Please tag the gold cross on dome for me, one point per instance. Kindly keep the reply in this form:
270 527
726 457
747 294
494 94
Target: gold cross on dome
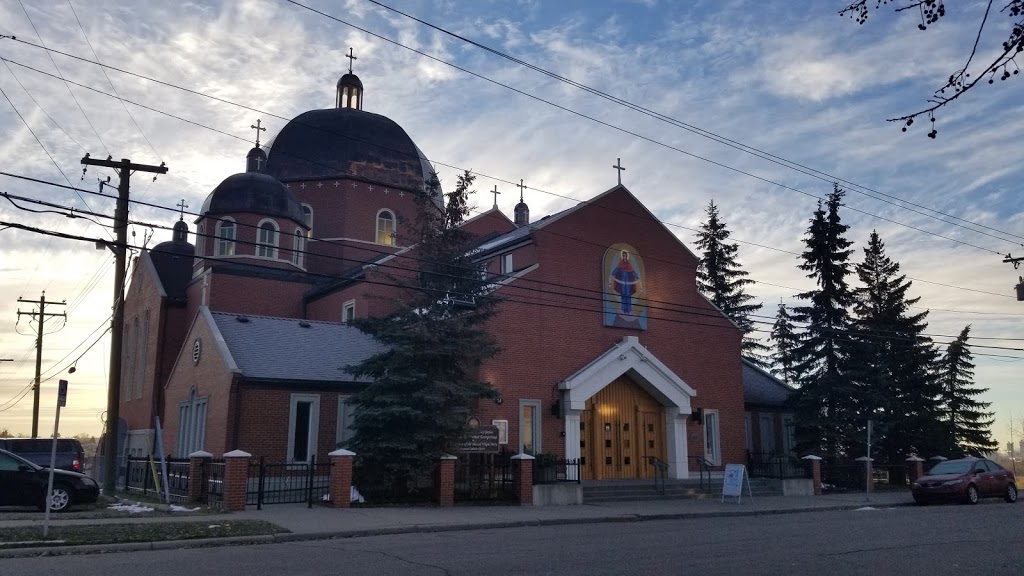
351 58
521 187
495 192
182 205
258 129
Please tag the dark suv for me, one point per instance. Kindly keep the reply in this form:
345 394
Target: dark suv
70 455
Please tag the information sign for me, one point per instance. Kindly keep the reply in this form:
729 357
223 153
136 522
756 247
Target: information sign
732 483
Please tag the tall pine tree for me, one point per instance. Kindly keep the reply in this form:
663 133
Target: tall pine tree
893 359
823 403
967 423
721 280
786 341
423 386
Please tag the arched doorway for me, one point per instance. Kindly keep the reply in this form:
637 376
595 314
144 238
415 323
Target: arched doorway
621 425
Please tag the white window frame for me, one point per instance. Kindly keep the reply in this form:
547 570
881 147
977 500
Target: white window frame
314 425
226 245
200 239
298 248
506 264
389 240
536 428
192 424
143 357
346 417
307 219
712 437
267 248
345 308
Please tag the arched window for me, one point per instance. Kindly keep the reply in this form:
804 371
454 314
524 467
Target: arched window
267 244
298 246
307 218
200 240
386 227
226 237
127 358
143 352
191 423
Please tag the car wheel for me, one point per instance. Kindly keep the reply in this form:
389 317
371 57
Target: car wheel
60 499
1011 493
971 496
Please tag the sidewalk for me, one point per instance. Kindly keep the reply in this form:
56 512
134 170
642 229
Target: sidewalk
322 522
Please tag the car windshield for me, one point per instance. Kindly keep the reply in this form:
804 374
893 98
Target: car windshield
952 467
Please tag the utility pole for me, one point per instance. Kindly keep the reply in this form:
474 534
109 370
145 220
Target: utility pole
1016 264
124 169
43 315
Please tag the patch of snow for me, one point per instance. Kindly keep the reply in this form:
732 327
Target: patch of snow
865 508
136 508
176 508
214 526
23 542
356 496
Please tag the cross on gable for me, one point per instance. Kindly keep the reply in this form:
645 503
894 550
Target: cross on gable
495 192
182 205
619 168
258 129
521 187
319 184
351 58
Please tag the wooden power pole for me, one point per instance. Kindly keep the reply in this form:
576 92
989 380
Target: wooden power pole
43 315
124 169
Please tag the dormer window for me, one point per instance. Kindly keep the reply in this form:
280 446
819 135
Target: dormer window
386 228
226 237
266 246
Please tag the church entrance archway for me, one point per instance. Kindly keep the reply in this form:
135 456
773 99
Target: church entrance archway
621 426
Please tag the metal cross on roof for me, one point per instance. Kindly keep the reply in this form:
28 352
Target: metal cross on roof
258 129
182 205
351 58
521 187
495 192
619 168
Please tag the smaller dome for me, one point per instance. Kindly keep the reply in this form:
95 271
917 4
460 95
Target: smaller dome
180 231
255 193
255 160
521 214
350 79
350 92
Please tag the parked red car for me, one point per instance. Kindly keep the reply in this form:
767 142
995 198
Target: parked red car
967 480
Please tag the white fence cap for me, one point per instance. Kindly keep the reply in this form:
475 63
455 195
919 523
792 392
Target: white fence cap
341 452
200 454
237 454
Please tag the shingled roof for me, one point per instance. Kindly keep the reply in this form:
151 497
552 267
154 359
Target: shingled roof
762 389
288 349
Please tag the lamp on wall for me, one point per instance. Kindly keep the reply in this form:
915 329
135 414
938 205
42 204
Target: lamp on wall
697 415
556 408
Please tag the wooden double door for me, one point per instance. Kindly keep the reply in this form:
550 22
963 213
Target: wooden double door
620 427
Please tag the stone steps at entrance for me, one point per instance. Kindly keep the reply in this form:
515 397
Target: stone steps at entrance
637 490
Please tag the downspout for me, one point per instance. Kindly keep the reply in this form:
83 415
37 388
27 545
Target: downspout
237 420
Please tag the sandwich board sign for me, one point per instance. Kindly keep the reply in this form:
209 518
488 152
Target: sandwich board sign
732 483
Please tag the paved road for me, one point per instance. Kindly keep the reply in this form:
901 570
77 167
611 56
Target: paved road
983 539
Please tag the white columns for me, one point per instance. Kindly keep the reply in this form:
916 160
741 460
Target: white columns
572 434
675 435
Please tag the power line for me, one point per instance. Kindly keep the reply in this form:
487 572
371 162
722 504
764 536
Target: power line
623 130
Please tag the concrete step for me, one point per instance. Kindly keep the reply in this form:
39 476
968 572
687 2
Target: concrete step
634 490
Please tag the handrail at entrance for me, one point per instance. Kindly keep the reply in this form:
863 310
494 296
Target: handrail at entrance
660 472
704 466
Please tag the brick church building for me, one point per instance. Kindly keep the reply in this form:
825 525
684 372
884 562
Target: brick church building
608 351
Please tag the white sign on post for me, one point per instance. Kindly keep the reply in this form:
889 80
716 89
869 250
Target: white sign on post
732 483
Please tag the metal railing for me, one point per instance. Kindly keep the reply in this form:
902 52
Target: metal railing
781 466
484 477
287 483
556 471
704 466
660 472
213 478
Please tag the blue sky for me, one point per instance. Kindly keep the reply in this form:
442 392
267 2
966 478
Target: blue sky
801 83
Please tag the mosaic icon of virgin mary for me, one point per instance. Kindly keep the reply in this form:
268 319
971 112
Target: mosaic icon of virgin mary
625 304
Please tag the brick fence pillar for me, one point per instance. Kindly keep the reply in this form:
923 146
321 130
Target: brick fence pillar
444 489
341 478
196 479
524 479
915 466
866 476
236 480
813 464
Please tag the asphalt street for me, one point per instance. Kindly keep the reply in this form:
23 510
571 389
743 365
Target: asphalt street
934 540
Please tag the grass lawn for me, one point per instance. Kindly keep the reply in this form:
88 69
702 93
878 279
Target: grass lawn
26 537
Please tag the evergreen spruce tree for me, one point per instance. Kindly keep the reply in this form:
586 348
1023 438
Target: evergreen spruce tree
823 403
423 384
893 360
721 280
786 341
967 423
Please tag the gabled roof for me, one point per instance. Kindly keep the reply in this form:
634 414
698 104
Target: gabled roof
288 349
763 389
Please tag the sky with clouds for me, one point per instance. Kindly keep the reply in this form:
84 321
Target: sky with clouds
802 84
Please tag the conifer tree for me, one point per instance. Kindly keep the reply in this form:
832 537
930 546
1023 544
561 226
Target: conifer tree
423 385
823 403
721 280
786 341
967 421
893 360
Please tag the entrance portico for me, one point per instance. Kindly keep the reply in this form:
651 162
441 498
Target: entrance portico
631 361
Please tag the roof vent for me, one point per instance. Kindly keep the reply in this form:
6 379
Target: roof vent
304 324
242 319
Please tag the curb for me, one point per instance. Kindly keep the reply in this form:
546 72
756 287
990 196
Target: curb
411 529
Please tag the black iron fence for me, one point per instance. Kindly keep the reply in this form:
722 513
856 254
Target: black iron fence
213 479
555 471
287 482
481 477
781 466
178 471
144 477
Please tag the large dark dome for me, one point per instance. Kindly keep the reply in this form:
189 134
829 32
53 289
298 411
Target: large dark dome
255 193
345 142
